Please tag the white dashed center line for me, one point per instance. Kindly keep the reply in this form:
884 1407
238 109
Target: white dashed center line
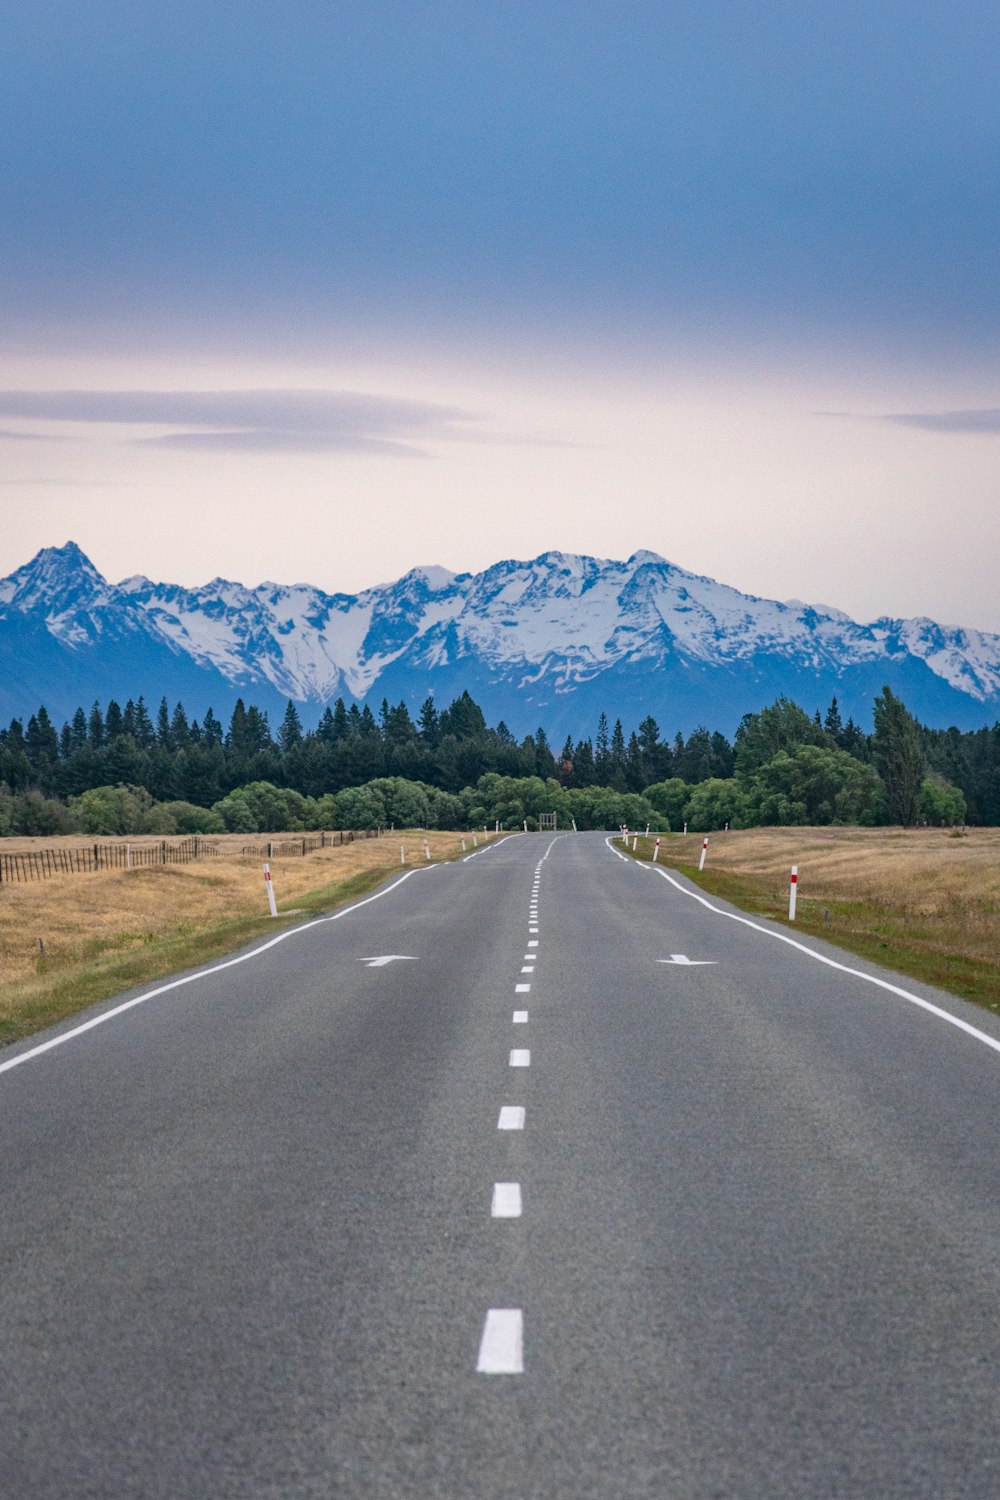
528 969
520 1018
511 1117
520 1057
533 943
506 1200
501 1348
522 989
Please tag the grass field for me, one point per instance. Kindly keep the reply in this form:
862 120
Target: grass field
71 940
925 902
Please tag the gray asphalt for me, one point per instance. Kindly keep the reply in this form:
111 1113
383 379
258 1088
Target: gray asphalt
247 1249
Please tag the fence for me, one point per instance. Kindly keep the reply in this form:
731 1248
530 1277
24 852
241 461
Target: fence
39 864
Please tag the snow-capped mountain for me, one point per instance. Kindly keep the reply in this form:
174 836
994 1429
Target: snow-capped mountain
554 640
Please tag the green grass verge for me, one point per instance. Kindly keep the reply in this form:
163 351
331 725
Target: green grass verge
879 933
53 995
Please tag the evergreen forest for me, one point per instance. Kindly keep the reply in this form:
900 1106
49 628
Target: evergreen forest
119 770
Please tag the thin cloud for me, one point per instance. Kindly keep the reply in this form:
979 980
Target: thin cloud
257 421
267 440
986 420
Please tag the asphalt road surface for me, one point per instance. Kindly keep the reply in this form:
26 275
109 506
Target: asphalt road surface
533 1208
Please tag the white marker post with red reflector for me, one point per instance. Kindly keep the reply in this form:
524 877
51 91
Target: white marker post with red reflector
704 851
656 851
270 890
793 892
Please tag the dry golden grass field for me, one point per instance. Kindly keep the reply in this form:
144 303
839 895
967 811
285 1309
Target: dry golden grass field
923 901
106 931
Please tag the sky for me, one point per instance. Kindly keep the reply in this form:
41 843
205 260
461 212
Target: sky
317 292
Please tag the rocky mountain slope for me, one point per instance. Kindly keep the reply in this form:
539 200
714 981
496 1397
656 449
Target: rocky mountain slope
552 640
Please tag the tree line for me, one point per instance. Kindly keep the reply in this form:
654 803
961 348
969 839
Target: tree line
783 766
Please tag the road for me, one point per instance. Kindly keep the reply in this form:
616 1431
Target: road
260 1232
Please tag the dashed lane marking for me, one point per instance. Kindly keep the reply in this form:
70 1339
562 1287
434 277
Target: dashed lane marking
520 1018
511 1117
506 1200
520 1057
501 1348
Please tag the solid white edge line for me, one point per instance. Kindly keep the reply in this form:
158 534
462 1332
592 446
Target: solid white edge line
501 1348
519 834
229 963
882 984
511 1117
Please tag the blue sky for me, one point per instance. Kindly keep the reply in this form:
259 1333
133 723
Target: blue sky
325 290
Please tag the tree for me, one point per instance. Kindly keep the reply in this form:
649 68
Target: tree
95 727
815 784
290 732
899 757
163 736
428 724
714 803
940 803
670 798
602 752
180 731
781 726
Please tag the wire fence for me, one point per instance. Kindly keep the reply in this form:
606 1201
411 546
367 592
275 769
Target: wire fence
40 864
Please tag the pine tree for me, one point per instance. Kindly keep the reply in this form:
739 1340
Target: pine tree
341 723
163 725
428 724
584 772
180 734
833 724
899 756
113 725
210 727
145 734
290 732
78 729
95 727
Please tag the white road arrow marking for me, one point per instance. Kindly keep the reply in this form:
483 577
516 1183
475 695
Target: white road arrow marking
682 958
387 958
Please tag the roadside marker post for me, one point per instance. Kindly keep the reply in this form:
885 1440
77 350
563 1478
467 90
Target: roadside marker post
656 851
427 851
270 890
685 828
402 854
793 891
463 846
704 851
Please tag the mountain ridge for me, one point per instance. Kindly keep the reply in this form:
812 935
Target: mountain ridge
553 639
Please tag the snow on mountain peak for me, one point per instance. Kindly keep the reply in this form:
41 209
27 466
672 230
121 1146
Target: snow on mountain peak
548 624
